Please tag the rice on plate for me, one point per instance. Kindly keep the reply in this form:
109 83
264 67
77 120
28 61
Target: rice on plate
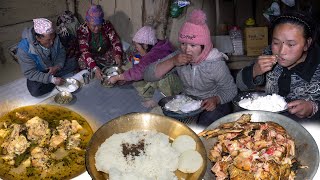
272 103
183 103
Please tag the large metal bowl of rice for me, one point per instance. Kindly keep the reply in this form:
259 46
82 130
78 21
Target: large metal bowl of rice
142 122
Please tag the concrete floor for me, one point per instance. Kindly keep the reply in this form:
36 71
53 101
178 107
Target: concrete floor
9 71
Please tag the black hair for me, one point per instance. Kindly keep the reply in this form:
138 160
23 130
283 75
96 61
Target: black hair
36 34
301 19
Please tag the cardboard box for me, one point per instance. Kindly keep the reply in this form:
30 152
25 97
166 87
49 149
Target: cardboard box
256 39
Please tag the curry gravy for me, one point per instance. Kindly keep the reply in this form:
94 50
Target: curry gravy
71 162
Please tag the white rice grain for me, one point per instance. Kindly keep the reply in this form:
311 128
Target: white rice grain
158 160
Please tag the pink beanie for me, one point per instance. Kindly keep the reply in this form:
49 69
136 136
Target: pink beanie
195 31
146 35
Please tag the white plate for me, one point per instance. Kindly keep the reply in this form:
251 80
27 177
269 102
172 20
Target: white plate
71 85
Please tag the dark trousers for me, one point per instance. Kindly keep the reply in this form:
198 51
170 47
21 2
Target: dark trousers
38 88
208 117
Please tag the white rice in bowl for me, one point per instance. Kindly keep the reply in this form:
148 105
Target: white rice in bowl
183 103
138 154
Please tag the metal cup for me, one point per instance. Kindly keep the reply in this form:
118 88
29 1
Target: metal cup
92 74
86 78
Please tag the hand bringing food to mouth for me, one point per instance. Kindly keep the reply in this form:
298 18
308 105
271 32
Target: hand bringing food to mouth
264 64
182 59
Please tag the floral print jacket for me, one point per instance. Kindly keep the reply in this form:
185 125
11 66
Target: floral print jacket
108 33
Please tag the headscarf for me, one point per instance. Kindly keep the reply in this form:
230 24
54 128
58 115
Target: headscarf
95 15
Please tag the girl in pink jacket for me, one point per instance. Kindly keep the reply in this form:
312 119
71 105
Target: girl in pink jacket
151 50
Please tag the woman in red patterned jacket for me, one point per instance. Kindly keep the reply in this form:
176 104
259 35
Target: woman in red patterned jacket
99 43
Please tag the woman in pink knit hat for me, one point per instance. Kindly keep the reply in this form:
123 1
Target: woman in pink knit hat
150 48
201 68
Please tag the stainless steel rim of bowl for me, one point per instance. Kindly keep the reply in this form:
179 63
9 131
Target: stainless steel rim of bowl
63 97
109 70
307 151
68 82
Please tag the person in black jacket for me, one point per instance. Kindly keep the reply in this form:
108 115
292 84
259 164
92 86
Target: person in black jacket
292 66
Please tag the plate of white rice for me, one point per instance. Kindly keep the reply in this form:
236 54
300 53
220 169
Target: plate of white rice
140 146
260 101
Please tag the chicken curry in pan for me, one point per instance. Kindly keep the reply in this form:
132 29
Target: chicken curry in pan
43 141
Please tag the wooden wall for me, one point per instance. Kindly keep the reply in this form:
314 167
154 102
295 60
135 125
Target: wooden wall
17 14
129 17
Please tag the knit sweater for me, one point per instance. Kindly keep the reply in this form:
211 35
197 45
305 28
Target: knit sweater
209 78
304 84
158 51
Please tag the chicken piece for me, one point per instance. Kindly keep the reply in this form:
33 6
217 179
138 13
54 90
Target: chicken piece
238 174
9 159
26 163
243 160
4 133
232 146
290 148
64 128
73 141
56 140
277 127
215 153
4 125
18 146
16 129
39 157
260 144
219 170
37 129
245 118
45 139
218 132
258 135
274 170
285 171
75 126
